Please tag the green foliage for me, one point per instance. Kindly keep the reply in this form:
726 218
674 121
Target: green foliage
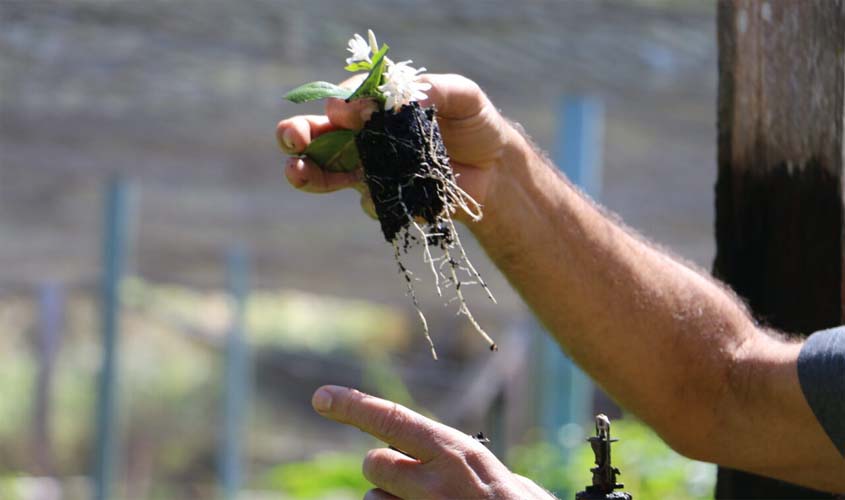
169 395
332 475
10 488
650 469
334 151
303 321
17 374
359 66
315 91
169 384
369 88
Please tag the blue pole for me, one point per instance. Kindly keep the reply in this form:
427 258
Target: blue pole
566 392
237 378
114 249
50 312
581 139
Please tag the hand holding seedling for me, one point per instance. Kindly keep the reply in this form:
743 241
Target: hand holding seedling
474 132
422 150
446 463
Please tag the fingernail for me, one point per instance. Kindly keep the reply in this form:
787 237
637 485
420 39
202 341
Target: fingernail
298 177
287 140
322 400
294 163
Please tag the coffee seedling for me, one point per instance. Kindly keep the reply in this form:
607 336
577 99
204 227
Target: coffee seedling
406 170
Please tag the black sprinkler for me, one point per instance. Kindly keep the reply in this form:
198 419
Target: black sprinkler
604 473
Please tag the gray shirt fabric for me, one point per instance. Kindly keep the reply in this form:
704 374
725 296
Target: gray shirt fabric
821 371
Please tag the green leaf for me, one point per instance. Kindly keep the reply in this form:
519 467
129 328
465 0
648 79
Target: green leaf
316 90
359 66
370 86
334 151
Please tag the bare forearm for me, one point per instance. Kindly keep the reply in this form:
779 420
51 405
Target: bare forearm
670 344
611 299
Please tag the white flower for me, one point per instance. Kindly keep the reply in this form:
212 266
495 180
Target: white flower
360 50
373 43
401 85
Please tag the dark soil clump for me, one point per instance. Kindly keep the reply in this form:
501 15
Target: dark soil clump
405 167
415 194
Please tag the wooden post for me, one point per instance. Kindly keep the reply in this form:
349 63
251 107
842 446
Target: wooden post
779 204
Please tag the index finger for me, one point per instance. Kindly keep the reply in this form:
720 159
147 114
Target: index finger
455 97
354 114
392 423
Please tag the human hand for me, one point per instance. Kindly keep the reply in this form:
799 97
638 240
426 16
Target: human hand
447 463
477 137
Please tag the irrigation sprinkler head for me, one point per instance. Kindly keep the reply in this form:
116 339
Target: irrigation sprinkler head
604 473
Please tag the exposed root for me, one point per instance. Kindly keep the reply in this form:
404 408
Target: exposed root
470 267
416 195
425 238
464 309
409 280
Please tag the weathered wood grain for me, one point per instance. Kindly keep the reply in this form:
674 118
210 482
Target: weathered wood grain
779 206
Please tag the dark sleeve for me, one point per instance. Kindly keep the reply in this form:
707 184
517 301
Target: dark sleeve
821 371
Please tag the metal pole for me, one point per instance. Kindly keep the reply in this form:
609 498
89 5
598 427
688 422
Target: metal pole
114 250
581 139
50 313
566 392
237 378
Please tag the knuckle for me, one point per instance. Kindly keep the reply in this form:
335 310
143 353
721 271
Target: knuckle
477 456
474 457
466 83
332 103
334 109
391 422
450 459
472 466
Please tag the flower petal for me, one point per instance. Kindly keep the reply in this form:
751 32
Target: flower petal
359 48
373 42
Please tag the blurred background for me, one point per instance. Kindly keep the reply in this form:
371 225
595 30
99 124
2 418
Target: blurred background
168 303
